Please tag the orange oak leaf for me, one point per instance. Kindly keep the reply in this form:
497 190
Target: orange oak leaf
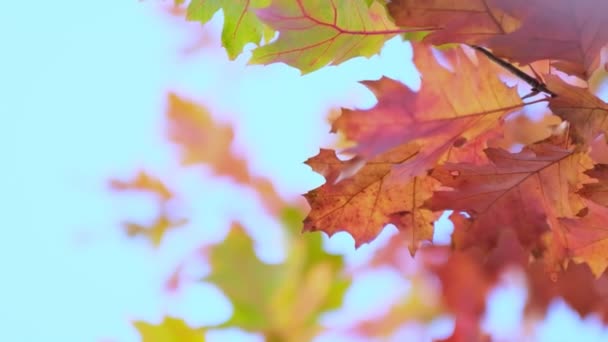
598 191
538 184
450 106
473 151
587 238
524 31
203 141
364 203
313 34
585 112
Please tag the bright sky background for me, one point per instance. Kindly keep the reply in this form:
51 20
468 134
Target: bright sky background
82 94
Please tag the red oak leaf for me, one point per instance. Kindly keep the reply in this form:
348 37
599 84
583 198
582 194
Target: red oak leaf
469 21
450 106
524 31
538 184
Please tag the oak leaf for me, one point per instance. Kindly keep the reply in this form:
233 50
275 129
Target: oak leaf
576 285
241 24
597 191
587 237
522 130
538 184
457 21
202 140
364 203
571 32
462 103
586 113
524 31
313 34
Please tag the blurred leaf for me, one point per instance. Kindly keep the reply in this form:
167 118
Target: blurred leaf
169 330
145 183
154 232
284 300
203 141
420 304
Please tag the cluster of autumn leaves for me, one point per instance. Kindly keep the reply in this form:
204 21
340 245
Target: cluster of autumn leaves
525 193
281 302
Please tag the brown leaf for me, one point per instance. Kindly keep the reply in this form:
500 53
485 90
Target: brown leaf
364 203
585 112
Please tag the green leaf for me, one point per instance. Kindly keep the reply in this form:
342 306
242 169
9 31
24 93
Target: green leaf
315 33
241 25
247 281
283 300
169 330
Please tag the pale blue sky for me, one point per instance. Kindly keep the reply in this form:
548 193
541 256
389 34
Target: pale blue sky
82 89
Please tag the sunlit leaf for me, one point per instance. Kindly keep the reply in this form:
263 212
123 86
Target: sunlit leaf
241 24
314 33
169 330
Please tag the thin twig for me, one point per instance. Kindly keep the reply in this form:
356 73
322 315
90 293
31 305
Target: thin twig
533 82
